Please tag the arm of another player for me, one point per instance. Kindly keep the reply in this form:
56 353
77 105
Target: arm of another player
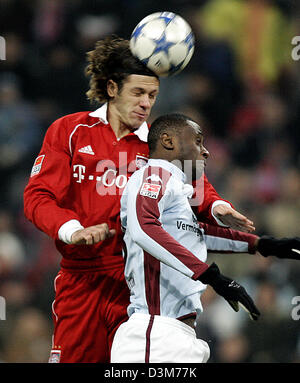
228 216
226 240
92 234
211 208
73 233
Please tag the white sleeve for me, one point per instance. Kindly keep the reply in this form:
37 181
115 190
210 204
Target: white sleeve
226 240
216 203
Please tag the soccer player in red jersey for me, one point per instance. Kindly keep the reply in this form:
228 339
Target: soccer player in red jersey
73 195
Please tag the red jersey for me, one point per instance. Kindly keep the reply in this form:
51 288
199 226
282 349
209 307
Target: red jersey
79 174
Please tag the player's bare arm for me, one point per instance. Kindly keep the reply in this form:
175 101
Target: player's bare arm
232 218
92 234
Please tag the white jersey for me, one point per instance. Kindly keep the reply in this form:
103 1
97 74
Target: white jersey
165 246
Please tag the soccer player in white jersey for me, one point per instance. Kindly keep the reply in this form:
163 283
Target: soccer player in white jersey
166 249
166 252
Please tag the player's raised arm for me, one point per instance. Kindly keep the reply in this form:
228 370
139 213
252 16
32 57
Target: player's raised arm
213 209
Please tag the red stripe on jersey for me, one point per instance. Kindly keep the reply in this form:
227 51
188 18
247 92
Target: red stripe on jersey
152 283
148 333
234 235
148 217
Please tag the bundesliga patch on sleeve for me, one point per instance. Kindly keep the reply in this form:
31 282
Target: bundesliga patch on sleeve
150 190
37 165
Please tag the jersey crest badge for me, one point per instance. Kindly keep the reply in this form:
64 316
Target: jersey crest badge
37 165
150 190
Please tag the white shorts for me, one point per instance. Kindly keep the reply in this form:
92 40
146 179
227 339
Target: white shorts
156 339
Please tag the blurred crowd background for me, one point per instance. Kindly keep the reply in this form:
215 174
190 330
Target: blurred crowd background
242 85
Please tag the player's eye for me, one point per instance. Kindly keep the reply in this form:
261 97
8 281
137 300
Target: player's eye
137 92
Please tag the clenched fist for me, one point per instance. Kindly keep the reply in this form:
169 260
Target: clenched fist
92 234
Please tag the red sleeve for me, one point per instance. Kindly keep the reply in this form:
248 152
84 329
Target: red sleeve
49 182
226 240
205 195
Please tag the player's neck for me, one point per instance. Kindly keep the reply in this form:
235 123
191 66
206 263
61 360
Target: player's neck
157 155
120 129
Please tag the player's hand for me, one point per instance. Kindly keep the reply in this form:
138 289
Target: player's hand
234 293
92 234
282 248
232 218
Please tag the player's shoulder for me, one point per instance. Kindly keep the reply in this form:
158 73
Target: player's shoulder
155 175
74 119
158 173
65 125
137 175
135 180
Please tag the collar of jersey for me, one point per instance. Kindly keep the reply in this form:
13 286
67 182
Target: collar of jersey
101 113
178 173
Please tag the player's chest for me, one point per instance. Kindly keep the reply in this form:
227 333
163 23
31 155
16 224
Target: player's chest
102 158
180 218
179 209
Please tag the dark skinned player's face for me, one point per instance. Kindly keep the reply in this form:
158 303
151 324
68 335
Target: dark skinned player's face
192 150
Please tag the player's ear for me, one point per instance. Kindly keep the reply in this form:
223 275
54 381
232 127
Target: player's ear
167 141
112 88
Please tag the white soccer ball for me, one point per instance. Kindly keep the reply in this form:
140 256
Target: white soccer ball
164 42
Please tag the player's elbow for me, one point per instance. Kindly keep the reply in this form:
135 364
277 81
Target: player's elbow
30 201
137 235
27 204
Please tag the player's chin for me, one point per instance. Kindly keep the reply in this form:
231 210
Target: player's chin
138 120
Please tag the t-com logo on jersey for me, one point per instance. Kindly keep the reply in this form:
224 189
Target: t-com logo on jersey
109 178
107 183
